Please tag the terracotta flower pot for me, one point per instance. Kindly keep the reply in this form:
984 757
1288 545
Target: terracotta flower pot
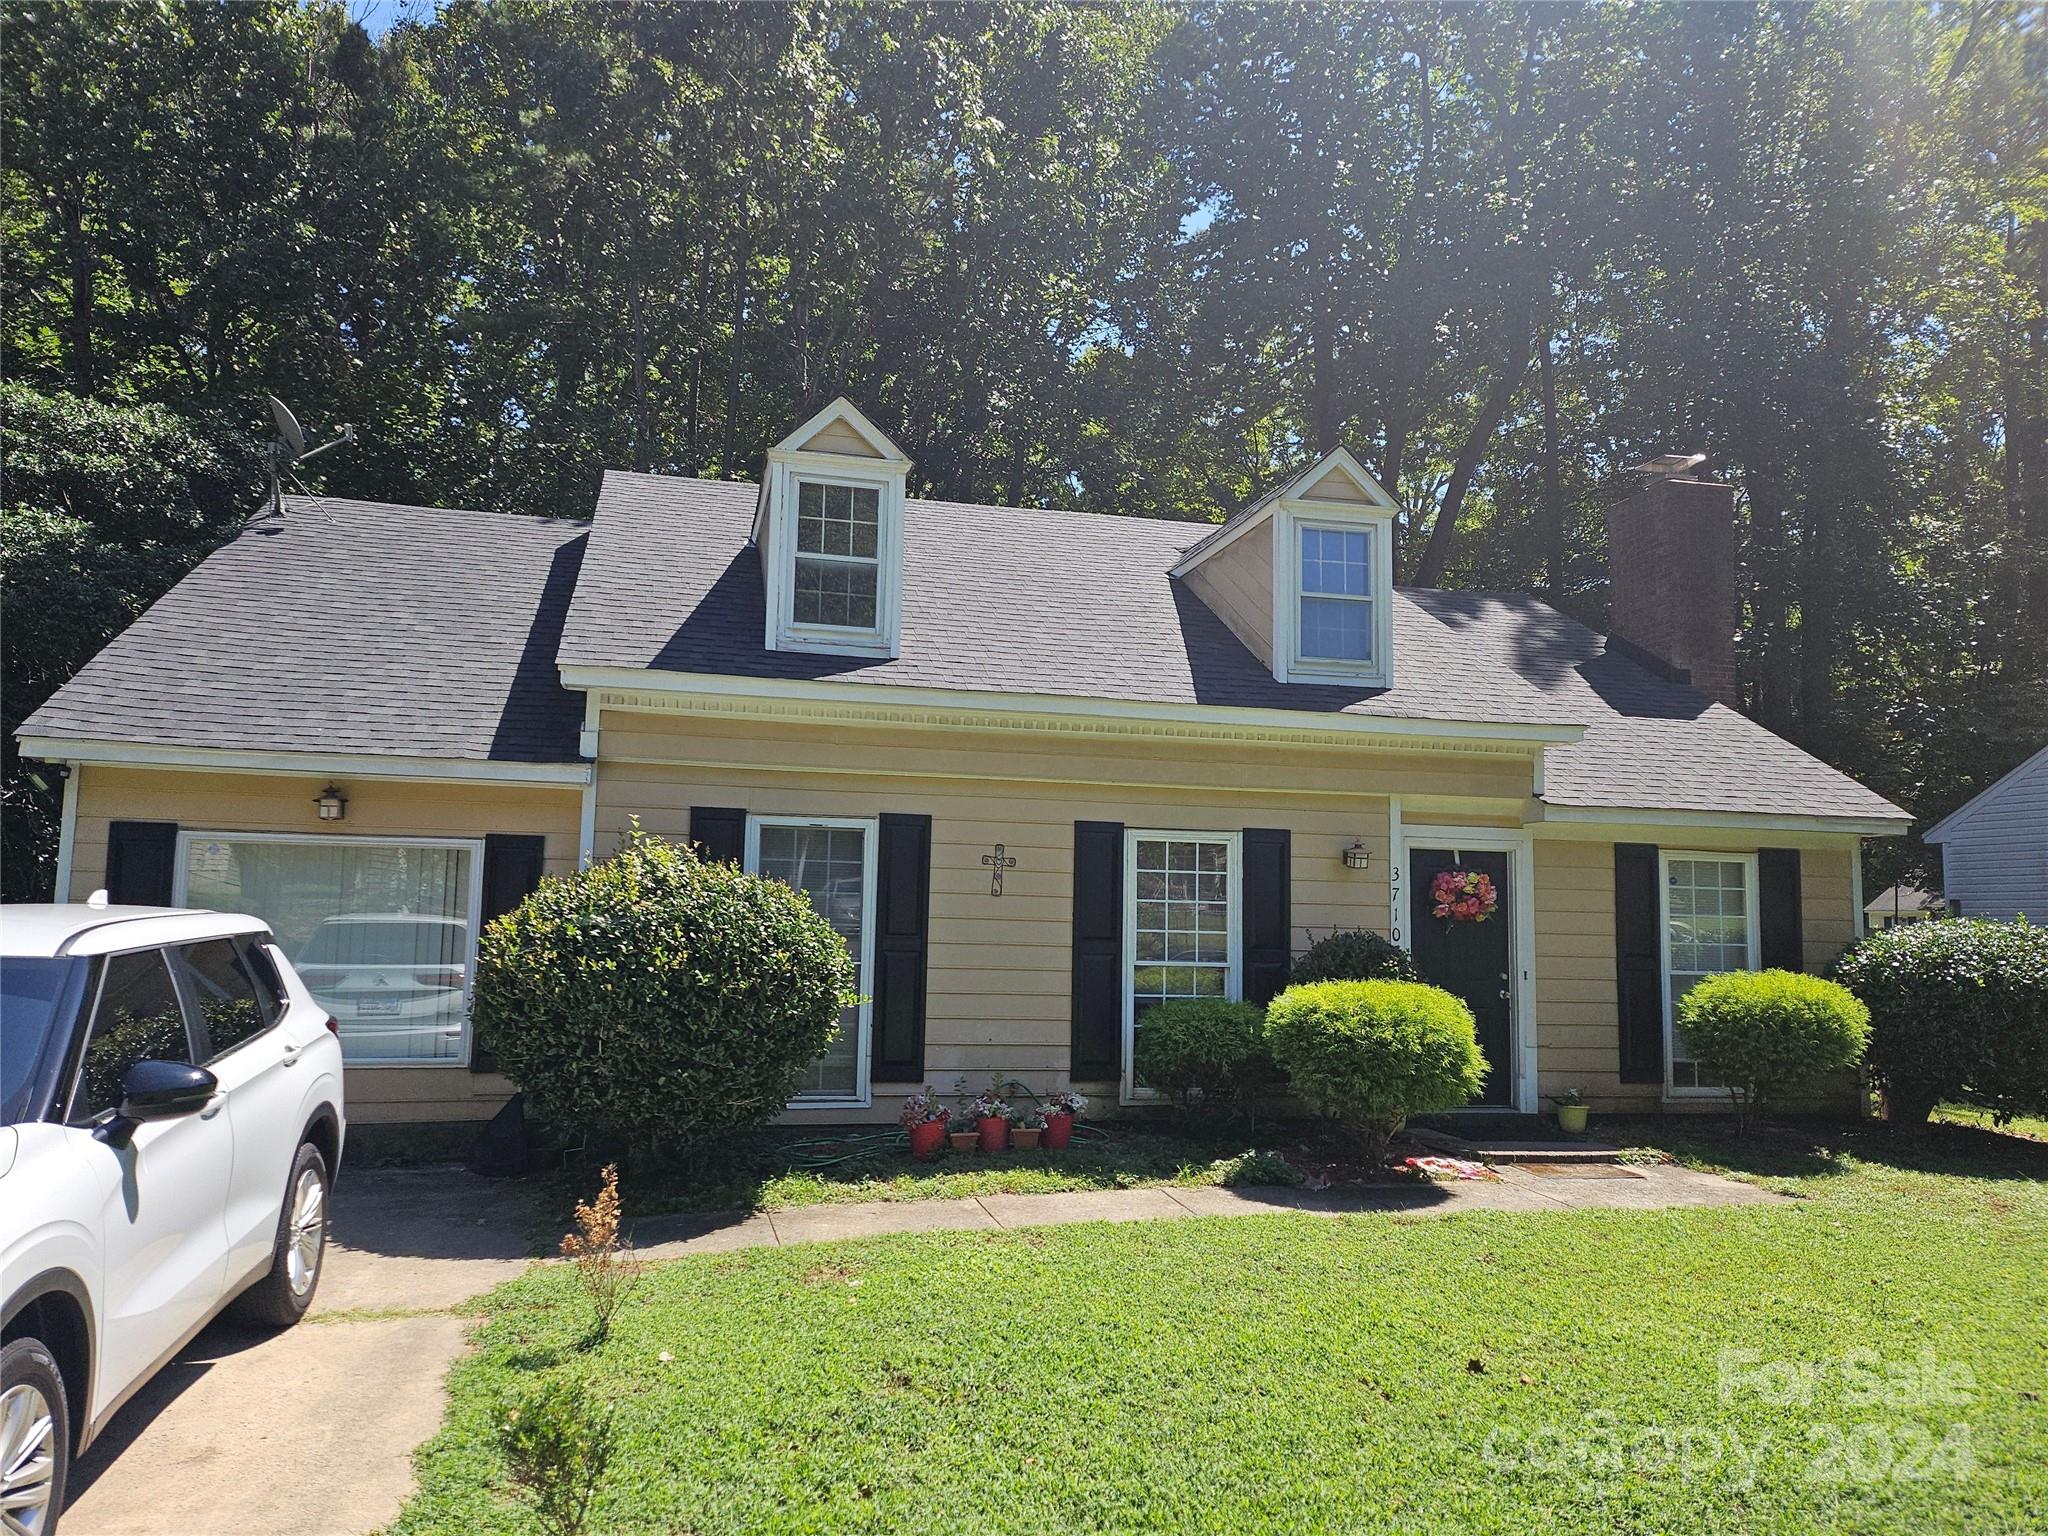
963 1141
1059 1130
1571 1119
995 1133
926 1138
1026 1137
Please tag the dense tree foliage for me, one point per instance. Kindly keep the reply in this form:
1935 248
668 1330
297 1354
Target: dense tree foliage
1133 259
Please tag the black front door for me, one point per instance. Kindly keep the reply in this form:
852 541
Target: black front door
1473 960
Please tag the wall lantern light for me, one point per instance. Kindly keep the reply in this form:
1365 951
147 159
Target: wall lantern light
333 804
1358 856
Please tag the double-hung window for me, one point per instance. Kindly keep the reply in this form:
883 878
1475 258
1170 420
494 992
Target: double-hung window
838 556
1335 622
1181 904
1710 925
832 861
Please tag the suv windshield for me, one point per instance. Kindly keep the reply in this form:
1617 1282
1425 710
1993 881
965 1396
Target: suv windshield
39 1001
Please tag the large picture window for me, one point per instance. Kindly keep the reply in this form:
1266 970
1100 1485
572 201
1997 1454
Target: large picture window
832 861
382 930
1710 925
1181 903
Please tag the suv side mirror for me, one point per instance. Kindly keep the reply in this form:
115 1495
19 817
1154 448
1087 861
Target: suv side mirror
163 1090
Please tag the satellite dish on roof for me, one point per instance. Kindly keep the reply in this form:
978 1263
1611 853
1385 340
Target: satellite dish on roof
289 432
289 447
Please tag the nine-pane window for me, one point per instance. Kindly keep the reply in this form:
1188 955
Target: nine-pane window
1708 929
1336 594
1180 922
829 865
838 567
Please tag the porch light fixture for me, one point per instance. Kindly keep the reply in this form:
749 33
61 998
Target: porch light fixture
1358 856
333 804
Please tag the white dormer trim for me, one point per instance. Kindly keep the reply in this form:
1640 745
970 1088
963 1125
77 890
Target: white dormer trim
792 463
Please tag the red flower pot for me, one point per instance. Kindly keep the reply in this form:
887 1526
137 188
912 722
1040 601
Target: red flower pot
995 1133
1059 1130
926 1138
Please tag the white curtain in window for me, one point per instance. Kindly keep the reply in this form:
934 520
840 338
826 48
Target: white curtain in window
380 932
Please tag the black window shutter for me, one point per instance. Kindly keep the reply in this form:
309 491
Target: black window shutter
1098 1004
720 833
512 868
903 909
1268 920
1783 940
140 855
1638 963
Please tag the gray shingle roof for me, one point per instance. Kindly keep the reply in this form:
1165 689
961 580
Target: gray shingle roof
1015 600
349 627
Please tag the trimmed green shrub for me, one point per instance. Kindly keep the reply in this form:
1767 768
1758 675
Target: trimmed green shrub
1958 1011
1769 1033
1372 1053
1203 1052
1354 955
660 998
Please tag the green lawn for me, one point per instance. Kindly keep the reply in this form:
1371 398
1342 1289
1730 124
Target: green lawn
777 1173
1967 1114
1567 1372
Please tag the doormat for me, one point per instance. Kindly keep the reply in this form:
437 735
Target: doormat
1577 1171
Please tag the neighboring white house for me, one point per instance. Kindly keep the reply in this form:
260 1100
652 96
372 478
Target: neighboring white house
1902 904
1994 850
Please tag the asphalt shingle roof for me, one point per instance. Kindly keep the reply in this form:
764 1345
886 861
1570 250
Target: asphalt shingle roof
360 627
1016 600
349 627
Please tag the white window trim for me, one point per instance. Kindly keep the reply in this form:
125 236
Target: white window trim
1130 1090
1289 665
786 472
475 846
863 1095
1755 949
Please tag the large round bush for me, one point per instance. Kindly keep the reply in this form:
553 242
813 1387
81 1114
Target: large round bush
1958 1011
1354 955
1372 1053
1203 1051
1767 1034
660 998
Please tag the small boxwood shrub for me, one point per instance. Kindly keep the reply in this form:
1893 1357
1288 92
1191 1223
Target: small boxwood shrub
1372 1053
1203 1052
1354 955
1770 1033
1958 1011
659 998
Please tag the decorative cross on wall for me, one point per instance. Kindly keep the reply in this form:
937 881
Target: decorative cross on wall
997 862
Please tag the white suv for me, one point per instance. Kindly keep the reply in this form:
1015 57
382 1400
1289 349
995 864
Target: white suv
170 1125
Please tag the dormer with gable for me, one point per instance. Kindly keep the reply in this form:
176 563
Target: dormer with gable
829 530
1304 576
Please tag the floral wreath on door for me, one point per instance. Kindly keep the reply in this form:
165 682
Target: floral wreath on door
1463 896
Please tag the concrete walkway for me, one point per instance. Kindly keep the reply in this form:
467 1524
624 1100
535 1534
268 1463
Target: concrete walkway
1533 1186
310 1432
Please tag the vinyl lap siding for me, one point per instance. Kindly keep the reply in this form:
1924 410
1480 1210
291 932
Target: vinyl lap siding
1996 863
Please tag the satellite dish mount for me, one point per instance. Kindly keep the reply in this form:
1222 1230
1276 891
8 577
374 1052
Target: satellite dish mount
289 447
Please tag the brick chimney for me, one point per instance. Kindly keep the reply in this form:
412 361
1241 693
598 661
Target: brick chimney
1671 572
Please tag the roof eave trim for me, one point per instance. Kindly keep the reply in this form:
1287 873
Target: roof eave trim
1058 706
64 749
1641 816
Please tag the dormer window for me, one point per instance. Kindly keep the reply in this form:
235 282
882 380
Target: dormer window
829 531
838 566
1335 621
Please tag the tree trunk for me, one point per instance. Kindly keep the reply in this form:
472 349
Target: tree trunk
1774 691
1436 554
734 358
78 353
636 324
1817 623
1323 348
702 320
1553 480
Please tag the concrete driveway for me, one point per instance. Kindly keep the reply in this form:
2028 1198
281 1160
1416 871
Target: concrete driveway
310 1432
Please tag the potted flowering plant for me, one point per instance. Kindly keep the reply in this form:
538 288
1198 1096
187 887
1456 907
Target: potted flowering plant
991 1116
924 1117
1571 1111
1025 1131
1061 1111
